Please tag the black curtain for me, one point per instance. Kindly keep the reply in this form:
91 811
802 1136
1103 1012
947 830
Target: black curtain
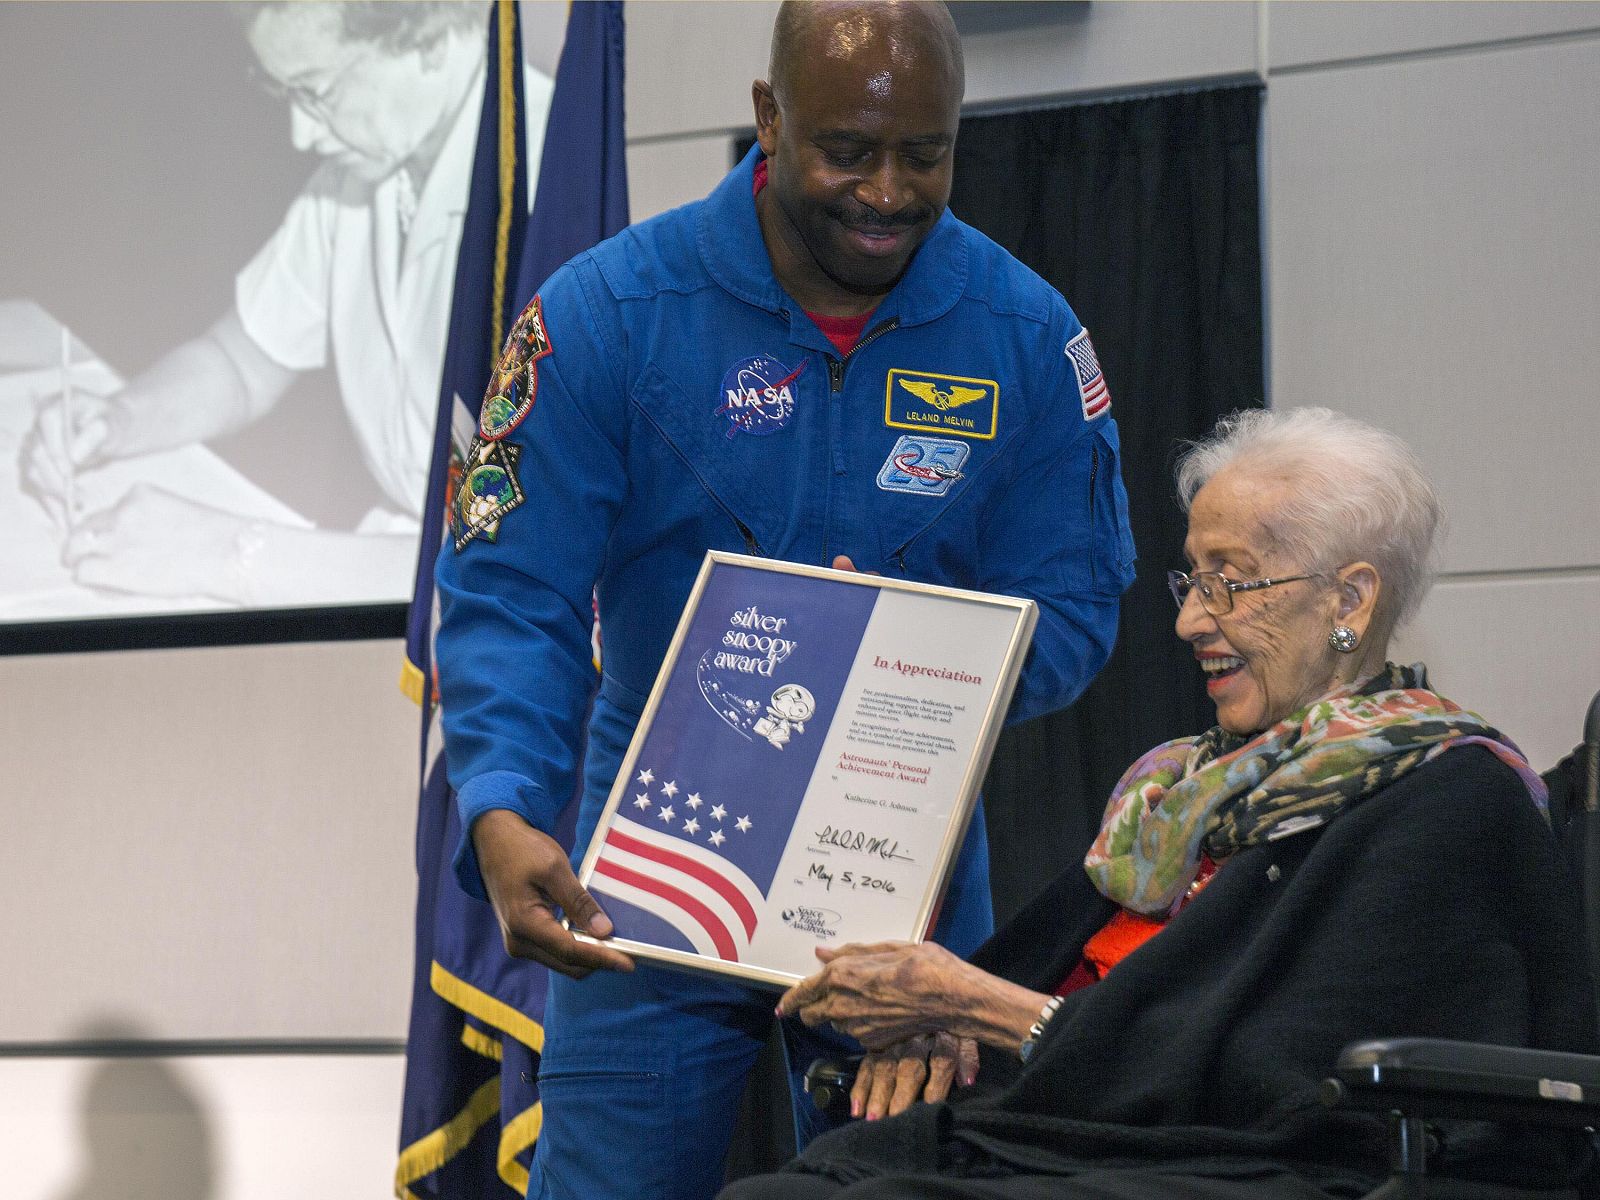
1145 215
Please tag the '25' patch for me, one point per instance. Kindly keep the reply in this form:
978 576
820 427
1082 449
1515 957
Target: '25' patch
923 466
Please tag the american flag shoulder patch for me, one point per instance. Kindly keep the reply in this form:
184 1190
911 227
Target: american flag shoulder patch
1092 391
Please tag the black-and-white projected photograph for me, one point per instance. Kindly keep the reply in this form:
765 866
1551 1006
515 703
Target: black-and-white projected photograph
231 235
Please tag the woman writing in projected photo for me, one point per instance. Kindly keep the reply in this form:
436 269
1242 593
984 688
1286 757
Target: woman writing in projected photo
358 276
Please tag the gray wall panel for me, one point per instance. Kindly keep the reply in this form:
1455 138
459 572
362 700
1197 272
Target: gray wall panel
1524 653
665 174
1113 46
1317 31
1433 263
690 62
209 1128
208 843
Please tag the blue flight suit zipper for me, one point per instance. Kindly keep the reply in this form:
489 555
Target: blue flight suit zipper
836 369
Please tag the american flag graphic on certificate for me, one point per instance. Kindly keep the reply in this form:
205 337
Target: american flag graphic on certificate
688 857
685 870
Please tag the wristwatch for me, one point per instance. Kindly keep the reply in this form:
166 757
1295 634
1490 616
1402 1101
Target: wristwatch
1036 1030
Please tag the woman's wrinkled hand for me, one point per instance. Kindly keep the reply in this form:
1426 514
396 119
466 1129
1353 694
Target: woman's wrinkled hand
883 993
920 1068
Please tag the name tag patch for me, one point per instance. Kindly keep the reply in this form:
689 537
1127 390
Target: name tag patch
947 404
923 466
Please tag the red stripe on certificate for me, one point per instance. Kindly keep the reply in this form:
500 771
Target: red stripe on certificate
703 916
680 862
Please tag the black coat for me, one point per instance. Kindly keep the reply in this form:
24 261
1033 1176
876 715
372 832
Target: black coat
1436 907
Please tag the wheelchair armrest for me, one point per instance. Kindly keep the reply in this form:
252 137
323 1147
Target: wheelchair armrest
828 1082
1432 1077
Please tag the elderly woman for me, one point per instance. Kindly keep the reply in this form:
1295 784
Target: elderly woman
1346 854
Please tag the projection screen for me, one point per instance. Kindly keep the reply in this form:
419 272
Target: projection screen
231 232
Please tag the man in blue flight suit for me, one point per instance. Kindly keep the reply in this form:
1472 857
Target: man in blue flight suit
817 363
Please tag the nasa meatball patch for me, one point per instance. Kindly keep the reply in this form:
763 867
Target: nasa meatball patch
758 395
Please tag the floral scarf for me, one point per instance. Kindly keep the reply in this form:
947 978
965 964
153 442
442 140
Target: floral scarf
1222 791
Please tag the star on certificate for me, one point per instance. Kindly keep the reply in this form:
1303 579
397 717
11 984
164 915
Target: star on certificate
691 826
694 800
716 837
718 812
666 812
742 824
647 777
669 790
641 801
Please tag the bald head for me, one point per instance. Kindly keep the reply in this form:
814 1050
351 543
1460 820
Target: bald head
858 124
904 34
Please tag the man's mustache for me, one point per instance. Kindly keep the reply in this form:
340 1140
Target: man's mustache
859 216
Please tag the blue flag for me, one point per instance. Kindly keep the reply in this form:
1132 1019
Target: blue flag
583 178
471 1114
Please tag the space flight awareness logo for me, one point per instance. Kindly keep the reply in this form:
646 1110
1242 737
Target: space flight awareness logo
757 395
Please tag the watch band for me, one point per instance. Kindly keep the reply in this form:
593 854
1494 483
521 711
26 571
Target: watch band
1036 1030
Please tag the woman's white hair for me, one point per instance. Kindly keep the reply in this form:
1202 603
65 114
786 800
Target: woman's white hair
1356 492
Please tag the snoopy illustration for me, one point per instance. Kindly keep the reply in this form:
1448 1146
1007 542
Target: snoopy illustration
791 707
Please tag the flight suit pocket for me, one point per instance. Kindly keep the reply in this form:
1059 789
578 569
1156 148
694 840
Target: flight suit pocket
750 477
1090 509
604 1083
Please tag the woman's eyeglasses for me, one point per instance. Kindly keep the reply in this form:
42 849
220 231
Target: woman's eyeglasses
1216 589
318 100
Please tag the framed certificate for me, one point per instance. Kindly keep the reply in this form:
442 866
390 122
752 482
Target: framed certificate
806 766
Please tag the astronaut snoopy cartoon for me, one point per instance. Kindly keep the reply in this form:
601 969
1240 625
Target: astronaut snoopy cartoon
789 710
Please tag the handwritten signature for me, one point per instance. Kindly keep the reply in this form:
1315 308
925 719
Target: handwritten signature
861 843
